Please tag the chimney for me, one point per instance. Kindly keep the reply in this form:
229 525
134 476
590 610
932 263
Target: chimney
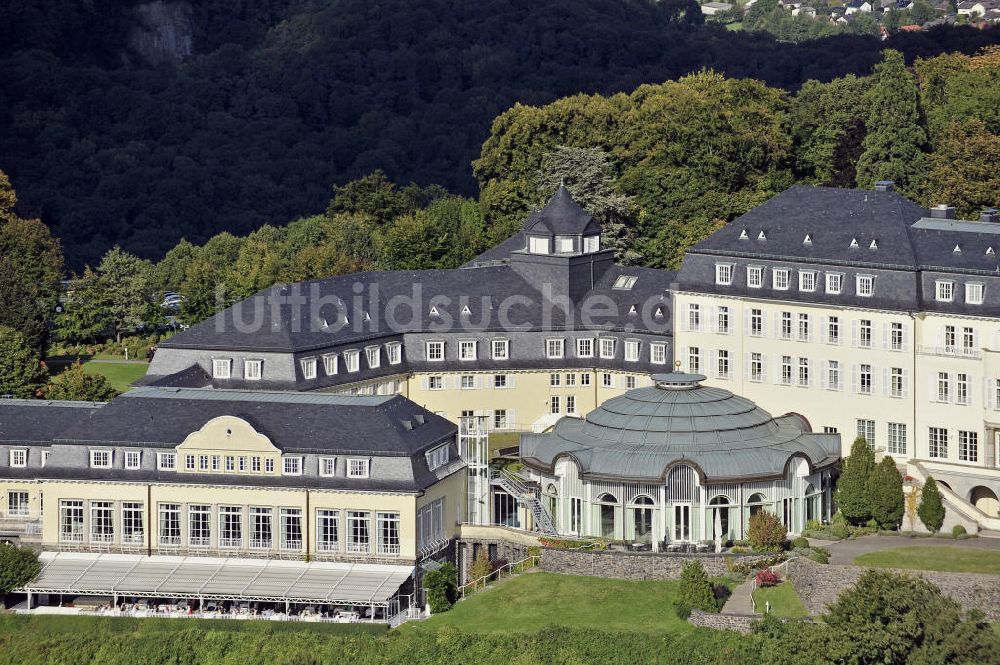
989 215
943 211
885 186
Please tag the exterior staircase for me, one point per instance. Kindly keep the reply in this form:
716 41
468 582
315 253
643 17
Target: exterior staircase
526 497
988 526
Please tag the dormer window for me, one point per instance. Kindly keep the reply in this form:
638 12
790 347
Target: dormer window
755 277
373 355
291 466
308 368
467 350
974 293
352 359
554 348
538 245
222 368
19 457
865 285
357 468
101 459
807 281
327 466
607 348
625 282
435 351
501 349
438 457
394 352
133 459
944 290
330 363
565 244
834 283
585 347
632 350
780 279
591 244
724 274
252 369
168 461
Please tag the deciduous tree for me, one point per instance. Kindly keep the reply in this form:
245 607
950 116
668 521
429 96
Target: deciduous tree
73 384
21 370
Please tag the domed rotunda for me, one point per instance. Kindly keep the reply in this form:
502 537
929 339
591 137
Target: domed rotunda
673 462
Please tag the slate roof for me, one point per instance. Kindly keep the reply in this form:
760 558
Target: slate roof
561 216
641 434
37 421
304 422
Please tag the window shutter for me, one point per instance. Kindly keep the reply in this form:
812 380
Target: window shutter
746 366
824 329
777 324
763 324
823 376
855 379
746 322
988 394
511 419
854 334
763 368
424 383
885 335
932 387
906 339
477 382
906 382
886 381
511 379
779 368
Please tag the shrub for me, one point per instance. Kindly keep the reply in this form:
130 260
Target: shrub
958 530
481 566
441 585
814 525
767 577
740 549
930 511
18 566
766 532
738 567
800 543
695 588
819 555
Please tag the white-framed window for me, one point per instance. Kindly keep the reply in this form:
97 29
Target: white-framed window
585 379
17 503
949 337
807 280
327 530
866 430
632 348
944 290
101 459
779 279
591 244
133 459
803 327
629 382
554 404
585 347
467 382
756 367
308 368
199 525
357 468
467 349
501 349
327 466
755 277
570 403
724 273
937 442
968 446
786 370
865 379
943 387
168 461
45 457
499 380
352 360
897 382
968 339
722 364
865 285
222 368
658 353
722 320
229 463
500 419
538 245
253 370
974 293
435 383
607 380
71 521
896 438
394 352
834 283
833 375
625 282
554 348
833 330
896 336
19 457
216 462
608 347
694 316
435 351
203 462
694 359
961 388
786 325
269 465
373 355
570 379
564 244
555 380
803 371
330 363
358 532
756 322
437 457
291 466
230 526
865 333
387 533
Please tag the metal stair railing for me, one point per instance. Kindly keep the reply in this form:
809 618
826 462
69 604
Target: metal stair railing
514 486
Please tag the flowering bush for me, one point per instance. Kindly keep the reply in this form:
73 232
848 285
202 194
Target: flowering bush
767 577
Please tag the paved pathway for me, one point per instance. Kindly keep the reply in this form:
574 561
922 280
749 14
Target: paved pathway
739 602
843 552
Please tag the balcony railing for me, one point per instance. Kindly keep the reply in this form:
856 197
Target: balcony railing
950 351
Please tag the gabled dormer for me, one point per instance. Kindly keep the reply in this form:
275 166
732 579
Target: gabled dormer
562 228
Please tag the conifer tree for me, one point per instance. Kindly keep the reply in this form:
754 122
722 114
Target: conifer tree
930 510
894 146
887 494
21 371
853 486
695 588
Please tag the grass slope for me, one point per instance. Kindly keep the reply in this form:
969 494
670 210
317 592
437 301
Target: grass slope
945 559
121 375
535 601
785 603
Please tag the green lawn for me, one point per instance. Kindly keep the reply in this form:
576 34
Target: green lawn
784 601
121 375
533 601
946 559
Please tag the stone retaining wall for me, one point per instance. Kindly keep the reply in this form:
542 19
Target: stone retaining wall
738 622
635 565
819 585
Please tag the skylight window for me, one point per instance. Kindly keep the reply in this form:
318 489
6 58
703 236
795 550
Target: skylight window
743 235
854 243
625 282
761 236
873 245
808 240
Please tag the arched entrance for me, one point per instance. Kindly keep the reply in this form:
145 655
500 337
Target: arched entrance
985 500
642 519
608 506
756 503
682 494
551 495
718 517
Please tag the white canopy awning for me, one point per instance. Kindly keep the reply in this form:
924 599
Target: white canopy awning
218 578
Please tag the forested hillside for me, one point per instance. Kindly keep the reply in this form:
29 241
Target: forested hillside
281 99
